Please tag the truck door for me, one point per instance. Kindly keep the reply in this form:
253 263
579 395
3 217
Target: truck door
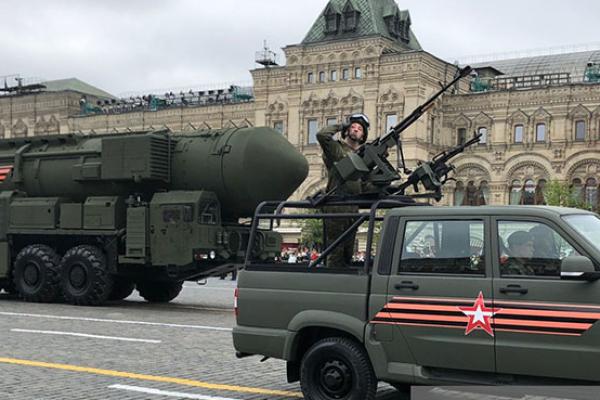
172 226
544 326
439 294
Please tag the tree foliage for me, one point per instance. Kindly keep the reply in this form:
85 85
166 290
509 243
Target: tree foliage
562 194
311 232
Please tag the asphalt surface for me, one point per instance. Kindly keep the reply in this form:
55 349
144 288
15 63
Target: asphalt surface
131 349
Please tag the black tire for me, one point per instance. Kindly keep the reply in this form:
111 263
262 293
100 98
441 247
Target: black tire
337 368
122 288
85 279
35 274
159 292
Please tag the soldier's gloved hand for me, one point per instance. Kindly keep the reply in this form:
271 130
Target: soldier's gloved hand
344 127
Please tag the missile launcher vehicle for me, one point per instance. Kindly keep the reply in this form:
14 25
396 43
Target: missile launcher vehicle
88 218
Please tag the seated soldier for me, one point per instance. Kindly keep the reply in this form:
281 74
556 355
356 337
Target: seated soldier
544 245
429 249
545 250
520 248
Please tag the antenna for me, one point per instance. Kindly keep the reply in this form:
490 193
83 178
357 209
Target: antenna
266 57
23 85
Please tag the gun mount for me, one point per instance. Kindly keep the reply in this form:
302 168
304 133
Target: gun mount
370 162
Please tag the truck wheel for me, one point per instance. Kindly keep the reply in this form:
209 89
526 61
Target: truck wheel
337 368
35 275
84 276
122 288
159 292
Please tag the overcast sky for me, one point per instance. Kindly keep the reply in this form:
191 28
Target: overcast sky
138 45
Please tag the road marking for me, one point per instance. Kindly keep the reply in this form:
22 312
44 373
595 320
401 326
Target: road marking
117 321
158 392
196 286
125 339
153 378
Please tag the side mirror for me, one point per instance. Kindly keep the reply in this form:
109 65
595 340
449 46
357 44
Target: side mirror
578 268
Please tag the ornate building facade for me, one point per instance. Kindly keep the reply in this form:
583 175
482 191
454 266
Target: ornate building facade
539 116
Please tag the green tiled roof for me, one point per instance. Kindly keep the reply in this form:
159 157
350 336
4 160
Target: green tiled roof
75 85
370 23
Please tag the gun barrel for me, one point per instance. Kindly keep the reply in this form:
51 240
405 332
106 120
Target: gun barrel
410 119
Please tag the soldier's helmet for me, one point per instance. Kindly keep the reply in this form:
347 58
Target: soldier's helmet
363 120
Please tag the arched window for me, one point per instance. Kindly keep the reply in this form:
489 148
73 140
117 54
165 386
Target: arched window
577 189
540 198
518 134
580 130
515 192
528 197
459 193
484 190
461 135
483 131
540 132
591 193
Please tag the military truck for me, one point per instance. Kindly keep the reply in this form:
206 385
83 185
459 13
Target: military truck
443 295
454 295
87 218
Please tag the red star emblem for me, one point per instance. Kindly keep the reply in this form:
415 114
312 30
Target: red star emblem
479 316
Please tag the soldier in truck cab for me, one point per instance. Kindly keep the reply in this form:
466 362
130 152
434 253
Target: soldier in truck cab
354 133
520 249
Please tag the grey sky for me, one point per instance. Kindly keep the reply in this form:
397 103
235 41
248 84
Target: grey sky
138 45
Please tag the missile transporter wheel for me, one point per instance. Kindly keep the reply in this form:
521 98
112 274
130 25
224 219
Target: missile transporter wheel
35 275
122 288
159 292
337 368
85 279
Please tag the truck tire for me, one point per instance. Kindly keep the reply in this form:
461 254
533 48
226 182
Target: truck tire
337 368
85 279
122 288
159 292
35 275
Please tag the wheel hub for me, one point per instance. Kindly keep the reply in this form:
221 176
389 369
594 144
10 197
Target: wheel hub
77 276
31 274
336 378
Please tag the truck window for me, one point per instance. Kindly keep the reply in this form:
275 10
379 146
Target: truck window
443 247
209 213
188 213
531 248
171 215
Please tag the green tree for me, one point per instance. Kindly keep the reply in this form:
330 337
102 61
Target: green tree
311 232
562 194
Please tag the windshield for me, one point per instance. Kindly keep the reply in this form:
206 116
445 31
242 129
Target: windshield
587 225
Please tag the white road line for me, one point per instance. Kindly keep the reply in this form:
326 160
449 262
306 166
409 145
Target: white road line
196 286
124 339
116 321
158 392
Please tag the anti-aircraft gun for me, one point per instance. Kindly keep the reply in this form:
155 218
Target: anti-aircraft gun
370 164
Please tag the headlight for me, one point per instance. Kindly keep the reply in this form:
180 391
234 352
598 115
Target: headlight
212 254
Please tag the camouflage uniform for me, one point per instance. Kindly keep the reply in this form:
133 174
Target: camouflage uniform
334 151
515 266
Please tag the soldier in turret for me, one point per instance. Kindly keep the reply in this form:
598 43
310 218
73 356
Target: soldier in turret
353 134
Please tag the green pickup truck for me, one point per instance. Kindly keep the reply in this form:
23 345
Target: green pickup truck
452 295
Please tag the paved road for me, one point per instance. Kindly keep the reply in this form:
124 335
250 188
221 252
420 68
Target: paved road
135 350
